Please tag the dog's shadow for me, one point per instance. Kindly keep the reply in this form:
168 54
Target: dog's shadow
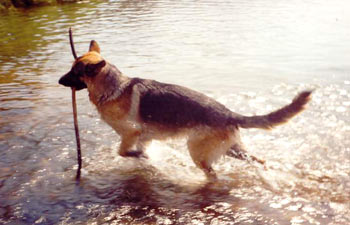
145 185
138 191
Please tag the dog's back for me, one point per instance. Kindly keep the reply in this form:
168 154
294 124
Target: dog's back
176 106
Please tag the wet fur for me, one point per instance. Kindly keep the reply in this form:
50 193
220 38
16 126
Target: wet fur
142 110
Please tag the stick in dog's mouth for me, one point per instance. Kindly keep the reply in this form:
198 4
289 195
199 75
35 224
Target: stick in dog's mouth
75 117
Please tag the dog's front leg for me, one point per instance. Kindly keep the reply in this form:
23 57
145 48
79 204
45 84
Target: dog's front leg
128 142
142 143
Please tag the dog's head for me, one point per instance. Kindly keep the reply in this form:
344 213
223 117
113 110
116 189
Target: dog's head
84 67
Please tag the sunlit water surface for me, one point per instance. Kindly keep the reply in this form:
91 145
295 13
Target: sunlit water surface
253 56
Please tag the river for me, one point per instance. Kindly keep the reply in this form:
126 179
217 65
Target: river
252 56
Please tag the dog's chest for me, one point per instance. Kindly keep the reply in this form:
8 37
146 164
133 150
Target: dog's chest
115 113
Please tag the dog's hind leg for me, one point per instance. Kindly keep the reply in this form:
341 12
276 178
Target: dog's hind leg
238 151
206 147
200 154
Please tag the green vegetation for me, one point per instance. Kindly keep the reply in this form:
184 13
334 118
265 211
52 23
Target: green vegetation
12 4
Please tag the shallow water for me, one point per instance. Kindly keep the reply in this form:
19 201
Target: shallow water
253 56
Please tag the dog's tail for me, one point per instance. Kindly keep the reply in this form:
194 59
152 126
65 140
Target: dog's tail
277 117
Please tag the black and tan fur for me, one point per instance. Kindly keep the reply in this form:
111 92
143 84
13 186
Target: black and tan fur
141 110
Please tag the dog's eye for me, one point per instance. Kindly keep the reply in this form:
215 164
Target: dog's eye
90 70
78 68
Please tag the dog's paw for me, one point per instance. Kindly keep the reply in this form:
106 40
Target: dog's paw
136 154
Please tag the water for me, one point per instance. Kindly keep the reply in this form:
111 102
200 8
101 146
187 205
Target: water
253 56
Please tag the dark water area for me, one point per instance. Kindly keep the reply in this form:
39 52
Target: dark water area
252 56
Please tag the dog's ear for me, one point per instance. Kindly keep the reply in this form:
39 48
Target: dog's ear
94 47
93 69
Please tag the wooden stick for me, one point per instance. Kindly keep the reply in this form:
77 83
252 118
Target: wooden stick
77 137
75 117
72 43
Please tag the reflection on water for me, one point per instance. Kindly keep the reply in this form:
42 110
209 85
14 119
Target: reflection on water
251 56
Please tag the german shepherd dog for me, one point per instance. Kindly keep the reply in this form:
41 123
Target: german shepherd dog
141 110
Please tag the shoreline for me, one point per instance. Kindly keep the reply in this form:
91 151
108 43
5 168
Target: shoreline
8 5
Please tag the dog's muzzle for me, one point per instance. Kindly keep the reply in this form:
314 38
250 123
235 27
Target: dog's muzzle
71 81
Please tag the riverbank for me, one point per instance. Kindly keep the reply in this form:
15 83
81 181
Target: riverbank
6 5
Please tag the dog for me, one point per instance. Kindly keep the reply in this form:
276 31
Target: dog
141 110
